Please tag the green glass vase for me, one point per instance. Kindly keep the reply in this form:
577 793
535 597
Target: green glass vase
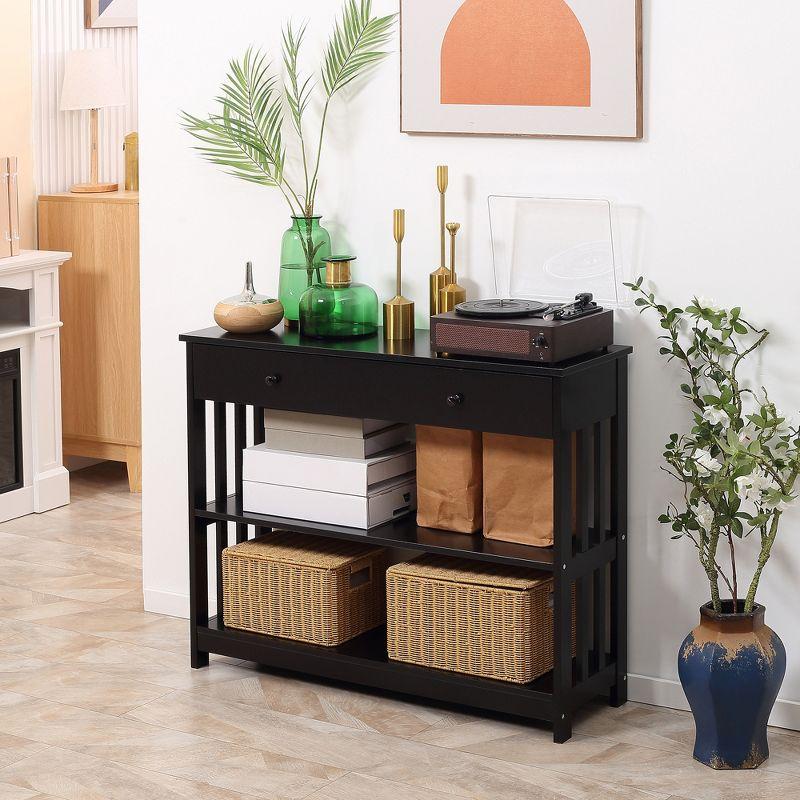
338 308
304 248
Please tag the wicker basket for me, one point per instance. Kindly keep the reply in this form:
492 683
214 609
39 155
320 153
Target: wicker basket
479 619
303 587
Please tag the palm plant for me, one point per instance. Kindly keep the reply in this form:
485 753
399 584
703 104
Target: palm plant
245 135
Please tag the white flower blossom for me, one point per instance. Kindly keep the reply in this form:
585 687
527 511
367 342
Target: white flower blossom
709 304
704 515
716 416
753 487
747 435
705 462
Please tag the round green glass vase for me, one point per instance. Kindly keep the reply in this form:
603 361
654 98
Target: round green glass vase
304 248
338 308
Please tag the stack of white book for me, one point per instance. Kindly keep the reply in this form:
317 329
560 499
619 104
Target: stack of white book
338 470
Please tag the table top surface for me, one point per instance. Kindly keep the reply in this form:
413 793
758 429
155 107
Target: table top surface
376 347
120 196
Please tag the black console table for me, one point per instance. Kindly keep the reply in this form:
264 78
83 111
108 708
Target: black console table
581 405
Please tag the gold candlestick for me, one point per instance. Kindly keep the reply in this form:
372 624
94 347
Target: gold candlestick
452 294
398 313
439 278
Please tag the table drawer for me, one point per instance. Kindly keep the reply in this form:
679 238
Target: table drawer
353 387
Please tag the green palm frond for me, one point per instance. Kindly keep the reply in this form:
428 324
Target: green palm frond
298 91
222 144
245 138
355 44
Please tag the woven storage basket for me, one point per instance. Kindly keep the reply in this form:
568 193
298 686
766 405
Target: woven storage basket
303 587
479 619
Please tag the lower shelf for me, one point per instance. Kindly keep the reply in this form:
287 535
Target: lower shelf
363 661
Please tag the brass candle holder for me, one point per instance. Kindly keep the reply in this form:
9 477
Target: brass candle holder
441 277
398 313
452 294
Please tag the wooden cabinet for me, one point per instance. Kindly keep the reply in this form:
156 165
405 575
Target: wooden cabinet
100 341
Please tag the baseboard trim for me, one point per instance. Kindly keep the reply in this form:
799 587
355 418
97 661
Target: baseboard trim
172 604
669 694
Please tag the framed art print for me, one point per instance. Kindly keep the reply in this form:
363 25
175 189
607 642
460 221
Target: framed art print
522 67
110 13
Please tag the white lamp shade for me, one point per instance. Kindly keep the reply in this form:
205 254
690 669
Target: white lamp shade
92 80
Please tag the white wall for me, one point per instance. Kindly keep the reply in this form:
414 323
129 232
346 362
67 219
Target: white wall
716 178
61 138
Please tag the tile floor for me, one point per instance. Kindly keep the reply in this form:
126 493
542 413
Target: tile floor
97 702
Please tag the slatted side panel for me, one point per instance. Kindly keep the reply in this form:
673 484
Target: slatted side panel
600 578
233 428
592 487
220 488
239 443
61 139
583 489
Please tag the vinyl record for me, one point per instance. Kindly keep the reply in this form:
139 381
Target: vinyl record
506 309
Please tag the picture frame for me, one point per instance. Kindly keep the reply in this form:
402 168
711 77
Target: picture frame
528 68
99 14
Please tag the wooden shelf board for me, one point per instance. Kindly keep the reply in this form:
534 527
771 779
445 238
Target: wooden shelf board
363 660
402 533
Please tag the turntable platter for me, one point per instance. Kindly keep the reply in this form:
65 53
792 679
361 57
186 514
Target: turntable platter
506 309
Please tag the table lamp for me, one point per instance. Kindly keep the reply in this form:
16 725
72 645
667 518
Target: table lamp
91 82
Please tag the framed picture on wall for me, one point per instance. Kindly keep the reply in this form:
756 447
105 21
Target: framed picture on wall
522 67
110 13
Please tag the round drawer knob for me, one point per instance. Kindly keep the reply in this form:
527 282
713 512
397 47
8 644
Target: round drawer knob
454 400
273 380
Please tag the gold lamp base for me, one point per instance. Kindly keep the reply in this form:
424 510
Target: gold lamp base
86 188
398 319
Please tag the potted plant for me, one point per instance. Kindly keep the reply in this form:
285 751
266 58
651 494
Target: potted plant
737 467
246 134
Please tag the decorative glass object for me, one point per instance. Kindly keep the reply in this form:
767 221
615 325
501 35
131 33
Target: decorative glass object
304 248
248 312
338 308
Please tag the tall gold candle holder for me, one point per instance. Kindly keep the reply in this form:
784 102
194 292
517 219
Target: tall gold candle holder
440 278
398 313
452 294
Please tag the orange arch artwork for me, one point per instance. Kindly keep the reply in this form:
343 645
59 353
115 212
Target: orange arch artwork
516 53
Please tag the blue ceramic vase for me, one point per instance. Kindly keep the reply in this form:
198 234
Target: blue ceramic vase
731 667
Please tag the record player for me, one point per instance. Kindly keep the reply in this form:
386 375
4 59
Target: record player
554 259
524 330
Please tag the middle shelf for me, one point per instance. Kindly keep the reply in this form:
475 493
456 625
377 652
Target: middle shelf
403 533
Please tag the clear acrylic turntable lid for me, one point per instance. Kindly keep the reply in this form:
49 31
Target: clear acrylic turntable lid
551 249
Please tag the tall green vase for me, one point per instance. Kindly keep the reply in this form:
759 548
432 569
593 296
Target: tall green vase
304 248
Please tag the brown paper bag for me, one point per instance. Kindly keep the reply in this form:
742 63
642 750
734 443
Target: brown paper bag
449 479
518 489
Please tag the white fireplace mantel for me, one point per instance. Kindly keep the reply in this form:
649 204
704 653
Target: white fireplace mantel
45 480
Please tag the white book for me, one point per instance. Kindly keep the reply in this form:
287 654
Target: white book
386 501
323 444
262 464
321 423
